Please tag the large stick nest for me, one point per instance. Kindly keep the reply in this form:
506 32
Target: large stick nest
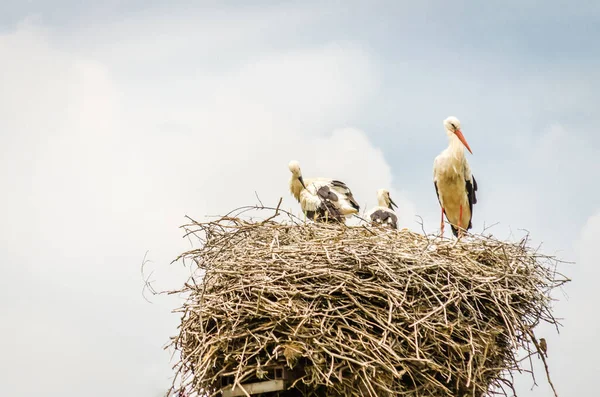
360 311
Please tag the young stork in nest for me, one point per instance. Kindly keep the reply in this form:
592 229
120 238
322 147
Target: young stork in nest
322 199
455 186
384 214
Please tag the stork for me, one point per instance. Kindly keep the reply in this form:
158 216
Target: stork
383 214
322 198
455 186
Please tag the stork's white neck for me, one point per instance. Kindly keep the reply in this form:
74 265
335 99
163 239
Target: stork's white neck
455 146
382 201
295 186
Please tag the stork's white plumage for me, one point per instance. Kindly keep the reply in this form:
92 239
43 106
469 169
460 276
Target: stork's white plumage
454 183
383 214
322 198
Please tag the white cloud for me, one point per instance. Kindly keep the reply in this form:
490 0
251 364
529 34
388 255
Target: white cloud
99 171
574 366
587 245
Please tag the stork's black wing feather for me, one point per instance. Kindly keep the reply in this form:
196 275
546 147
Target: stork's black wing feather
378 216
353 202
454 230
326 210
348 193
472 196
335 182
437 193
325 193
385 218
393 222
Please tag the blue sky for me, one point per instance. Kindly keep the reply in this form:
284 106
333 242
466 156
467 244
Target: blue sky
118 119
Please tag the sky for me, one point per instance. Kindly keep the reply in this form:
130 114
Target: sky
118 119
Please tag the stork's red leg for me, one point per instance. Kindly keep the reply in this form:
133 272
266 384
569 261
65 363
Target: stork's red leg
442 222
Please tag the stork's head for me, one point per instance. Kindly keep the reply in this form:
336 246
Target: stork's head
452 125
385 200
294 167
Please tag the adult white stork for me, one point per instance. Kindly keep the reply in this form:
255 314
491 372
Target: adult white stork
383 214
454 183
322 198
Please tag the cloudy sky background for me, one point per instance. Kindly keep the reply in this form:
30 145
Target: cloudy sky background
118 119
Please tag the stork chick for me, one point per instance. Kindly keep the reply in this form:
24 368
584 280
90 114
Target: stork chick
383 214
322 198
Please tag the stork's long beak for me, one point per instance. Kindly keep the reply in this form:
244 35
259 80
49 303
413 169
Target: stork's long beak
302 181
461 137
392 204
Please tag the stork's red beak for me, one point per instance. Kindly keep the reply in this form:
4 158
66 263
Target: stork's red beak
462 139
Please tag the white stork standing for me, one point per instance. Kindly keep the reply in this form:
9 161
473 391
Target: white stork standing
454 184
383 214
322 198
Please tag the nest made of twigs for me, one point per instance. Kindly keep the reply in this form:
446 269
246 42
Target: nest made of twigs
359 311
